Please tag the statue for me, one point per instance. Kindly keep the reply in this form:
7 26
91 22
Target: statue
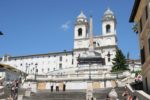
113 94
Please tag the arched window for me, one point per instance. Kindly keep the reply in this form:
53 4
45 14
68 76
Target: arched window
80 32
108 28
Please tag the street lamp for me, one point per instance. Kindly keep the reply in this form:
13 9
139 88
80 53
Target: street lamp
26 67
36 70
26 71
133 63
105 79
90 71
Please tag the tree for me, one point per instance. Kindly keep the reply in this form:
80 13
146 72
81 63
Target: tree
119 62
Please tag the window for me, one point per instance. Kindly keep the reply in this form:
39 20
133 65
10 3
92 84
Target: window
108 55
60 58
146 12
141 25
142 55
98 44
109 59
79 32
60 66
149 44
108 28
42 70
48 69
94 43
72 61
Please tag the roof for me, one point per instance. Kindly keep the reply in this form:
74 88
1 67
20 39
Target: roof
44 54
81 15
134 10
108 12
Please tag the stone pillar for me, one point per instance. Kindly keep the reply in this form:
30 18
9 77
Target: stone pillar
34 87
20 97
89 91
27 93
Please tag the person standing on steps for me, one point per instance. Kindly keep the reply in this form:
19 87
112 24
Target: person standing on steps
52 87
64 87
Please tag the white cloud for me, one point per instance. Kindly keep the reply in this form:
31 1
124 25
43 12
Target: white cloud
65 26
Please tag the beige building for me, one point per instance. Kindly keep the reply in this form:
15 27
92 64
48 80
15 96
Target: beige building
140 16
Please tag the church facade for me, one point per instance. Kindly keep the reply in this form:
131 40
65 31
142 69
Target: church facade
66 63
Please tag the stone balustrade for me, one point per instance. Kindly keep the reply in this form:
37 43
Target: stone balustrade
140 94
93 76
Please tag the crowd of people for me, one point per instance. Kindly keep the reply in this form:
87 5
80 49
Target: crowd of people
57 88
128 95
14 86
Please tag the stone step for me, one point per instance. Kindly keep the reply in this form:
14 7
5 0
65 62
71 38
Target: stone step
58 96
74 95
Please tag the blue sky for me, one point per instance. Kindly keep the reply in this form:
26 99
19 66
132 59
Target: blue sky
42 26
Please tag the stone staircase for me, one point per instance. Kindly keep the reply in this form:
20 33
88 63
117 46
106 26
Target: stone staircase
7 93
67 95
99 94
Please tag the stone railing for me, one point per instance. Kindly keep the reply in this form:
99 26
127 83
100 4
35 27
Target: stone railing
140 94
71 77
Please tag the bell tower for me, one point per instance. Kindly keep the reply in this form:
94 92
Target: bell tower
108 23
80 30
81 24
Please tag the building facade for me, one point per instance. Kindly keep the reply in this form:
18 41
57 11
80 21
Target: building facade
63 62
141 17
64 66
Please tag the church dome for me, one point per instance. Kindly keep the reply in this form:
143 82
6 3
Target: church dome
108 12
81 15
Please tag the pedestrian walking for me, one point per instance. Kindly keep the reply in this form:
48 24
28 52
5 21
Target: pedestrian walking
10 98
51 88
12 91
107 97
64 87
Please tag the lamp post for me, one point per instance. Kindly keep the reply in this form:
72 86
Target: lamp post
105 79
26 70
133 64
36 70
90 71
